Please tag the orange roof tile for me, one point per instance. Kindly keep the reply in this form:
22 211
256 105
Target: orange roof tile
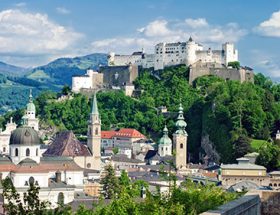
107 134
129 132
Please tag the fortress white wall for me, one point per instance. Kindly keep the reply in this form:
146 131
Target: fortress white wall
169 54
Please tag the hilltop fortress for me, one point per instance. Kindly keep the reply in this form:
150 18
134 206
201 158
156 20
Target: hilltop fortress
170 54
122 70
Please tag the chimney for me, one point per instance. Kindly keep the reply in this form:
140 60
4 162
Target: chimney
58 177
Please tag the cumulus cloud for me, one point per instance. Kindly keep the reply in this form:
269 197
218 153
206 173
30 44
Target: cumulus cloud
62 10
30 34
270 27
162 30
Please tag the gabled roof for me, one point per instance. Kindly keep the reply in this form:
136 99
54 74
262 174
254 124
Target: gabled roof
66 144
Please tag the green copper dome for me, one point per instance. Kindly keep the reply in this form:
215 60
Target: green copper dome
165 140
30 107
181 124
24 136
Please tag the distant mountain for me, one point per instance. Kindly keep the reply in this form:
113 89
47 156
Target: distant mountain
15 82
60 71
10 70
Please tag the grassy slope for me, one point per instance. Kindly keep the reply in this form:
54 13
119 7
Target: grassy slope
256 144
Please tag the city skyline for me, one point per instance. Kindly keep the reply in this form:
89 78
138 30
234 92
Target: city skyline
34 33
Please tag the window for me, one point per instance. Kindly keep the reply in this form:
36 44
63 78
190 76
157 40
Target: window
37 152
27 152
166 149
96 131
31 181
88 165
181 146
16 152
60 199
4 149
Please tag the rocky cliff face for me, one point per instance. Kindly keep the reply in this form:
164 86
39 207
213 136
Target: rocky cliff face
209 149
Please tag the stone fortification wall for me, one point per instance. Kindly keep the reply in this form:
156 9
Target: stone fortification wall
119 75
200 69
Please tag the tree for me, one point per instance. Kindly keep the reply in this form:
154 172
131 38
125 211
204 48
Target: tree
31 203
110 183
242 146
269 155
234 64
66 90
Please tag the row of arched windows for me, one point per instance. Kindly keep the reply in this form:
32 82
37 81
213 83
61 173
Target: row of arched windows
27 152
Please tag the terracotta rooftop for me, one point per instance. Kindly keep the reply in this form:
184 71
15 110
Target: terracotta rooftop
129 132
123 132
107 134
66 144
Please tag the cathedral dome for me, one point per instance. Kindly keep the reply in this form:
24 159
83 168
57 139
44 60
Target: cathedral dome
165 140
24 136
30 107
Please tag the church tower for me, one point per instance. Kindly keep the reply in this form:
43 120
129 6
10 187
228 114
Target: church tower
165 144
30 114
94 130
180 138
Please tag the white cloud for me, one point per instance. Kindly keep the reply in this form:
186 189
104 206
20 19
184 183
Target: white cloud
270 27
20 4
30 34
62 10
271 67
196 23
164 31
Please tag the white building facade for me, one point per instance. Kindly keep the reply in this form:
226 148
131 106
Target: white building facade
92 79
170 54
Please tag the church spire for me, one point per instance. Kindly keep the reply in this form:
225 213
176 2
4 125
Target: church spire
94 108
30 96
181 124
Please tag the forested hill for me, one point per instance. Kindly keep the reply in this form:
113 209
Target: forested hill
15 82
226 114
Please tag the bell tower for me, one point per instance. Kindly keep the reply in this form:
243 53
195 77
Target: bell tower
94 130
180 138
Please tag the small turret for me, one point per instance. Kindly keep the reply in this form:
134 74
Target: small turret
165 144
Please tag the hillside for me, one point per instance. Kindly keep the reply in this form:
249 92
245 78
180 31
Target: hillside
15 82
60 71
10 70
222 117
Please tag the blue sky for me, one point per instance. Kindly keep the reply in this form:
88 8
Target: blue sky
35 32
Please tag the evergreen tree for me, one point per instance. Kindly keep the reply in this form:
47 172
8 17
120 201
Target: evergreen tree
242 146
110 183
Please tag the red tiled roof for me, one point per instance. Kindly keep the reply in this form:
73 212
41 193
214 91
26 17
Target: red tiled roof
123 132
107 134
129 132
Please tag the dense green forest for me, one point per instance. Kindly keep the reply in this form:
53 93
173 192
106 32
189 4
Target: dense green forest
231 113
